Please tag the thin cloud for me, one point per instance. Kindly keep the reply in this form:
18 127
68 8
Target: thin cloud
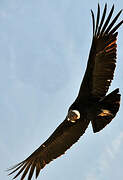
111 152
108 156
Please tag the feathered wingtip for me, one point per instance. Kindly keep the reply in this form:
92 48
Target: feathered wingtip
14 169
27 166
24 167
102 27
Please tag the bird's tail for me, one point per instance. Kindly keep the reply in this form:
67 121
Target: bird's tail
109 107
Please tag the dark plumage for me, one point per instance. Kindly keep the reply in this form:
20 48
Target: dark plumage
92 103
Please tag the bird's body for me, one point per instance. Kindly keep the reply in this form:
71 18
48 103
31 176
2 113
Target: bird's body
91 105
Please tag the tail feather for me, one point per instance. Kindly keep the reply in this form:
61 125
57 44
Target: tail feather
108 109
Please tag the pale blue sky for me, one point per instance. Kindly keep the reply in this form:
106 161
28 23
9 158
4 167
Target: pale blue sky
44 48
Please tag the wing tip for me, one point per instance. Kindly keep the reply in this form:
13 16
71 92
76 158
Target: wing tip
99 30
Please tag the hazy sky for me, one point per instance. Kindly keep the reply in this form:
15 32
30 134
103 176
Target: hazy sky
44 47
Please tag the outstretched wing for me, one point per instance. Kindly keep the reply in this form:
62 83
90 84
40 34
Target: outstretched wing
62 139
102 57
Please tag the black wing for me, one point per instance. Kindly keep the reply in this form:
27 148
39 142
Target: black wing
102 57
62 139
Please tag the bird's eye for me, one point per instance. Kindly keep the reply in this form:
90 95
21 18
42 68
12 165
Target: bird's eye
73 115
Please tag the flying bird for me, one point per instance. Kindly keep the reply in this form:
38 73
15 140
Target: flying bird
92 104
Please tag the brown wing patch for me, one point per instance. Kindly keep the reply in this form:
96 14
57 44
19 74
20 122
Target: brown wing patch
105 63
105 112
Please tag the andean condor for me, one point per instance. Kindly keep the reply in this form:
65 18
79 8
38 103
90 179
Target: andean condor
92 103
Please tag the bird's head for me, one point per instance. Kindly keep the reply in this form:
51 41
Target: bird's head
73 115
